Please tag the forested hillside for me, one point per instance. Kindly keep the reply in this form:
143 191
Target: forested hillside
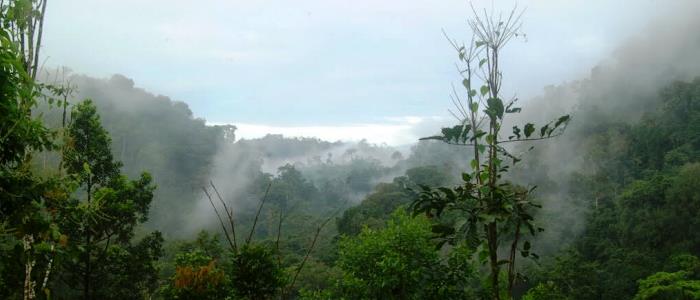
590 190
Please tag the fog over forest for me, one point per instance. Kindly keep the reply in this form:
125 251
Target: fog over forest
482 170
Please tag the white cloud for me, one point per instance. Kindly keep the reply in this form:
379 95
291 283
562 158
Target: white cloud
396 132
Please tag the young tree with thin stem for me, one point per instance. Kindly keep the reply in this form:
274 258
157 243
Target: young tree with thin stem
490 206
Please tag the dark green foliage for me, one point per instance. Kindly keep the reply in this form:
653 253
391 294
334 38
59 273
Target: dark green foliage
88 155
154 133
130 270
376 208
255 273
643 204
77 221
27 200
100 219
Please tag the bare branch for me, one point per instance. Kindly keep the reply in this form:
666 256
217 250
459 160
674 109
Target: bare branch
255 222
221 221
38 40
308 252
229 214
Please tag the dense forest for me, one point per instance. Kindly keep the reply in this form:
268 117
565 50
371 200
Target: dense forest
588 191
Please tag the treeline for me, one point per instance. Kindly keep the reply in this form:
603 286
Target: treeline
110 192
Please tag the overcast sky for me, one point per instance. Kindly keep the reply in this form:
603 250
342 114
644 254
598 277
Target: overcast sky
333 69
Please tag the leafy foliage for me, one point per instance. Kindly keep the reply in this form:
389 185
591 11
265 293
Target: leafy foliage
100 227
255 273
400 262
486 206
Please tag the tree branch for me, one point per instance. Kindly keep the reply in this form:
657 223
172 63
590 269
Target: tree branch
255 222
233 248
229 214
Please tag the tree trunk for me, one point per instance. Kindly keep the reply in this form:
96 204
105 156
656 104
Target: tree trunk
86 276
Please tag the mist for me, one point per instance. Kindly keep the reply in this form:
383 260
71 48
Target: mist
621 87
318 151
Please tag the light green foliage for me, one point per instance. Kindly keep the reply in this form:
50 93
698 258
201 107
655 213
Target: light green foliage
665 285
545 291
399 262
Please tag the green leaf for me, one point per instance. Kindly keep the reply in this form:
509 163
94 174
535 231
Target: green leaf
472 93
466 83
496 105
543 130
482 62
484 176
474 106
484 90
529 129
562 119
465 176
479 43
516 131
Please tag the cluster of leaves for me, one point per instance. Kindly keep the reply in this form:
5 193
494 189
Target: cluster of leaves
255 273
100 218
400 262
197 276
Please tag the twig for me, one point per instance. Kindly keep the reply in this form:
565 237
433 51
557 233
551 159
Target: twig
229 214
308 252
255 222
233 248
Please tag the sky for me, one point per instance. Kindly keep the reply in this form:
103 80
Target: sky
337 70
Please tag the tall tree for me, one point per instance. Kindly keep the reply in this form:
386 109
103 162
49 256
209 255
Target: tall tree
492 207
101 224
24 19
25 198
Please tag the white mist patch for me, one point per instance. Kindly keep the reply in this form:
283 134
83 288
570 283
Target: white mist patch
233 171
395 131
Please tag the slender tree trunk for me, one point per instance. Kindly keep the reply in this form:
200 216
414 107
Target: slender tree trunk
511 261
493 255
29 283
88 246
